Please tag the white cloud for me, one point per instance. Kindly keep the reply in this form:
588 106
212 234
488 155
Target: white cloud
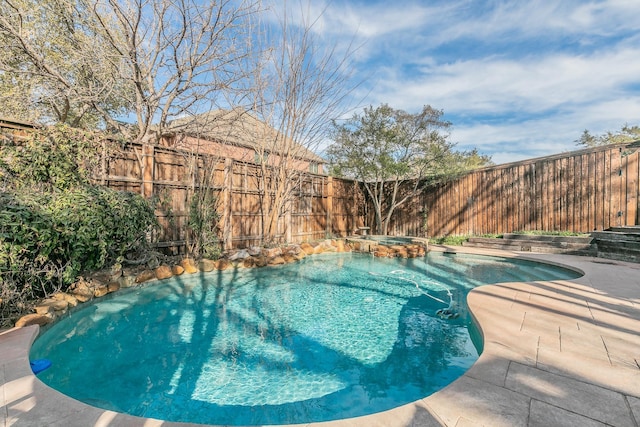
536 107
518 79
500 85
510 141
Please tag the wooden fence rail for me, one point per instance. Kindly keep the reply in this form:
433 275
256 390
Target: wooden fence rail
580 191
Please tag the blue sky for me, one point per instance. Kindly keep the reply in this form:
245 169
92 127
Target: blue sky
517 79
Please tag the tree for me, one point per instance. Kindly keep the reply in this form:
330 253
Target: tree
625 134
54 65
296 89
119 61
396 155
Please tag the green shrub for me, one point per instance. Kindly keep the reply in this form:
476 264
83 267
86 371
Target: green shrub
53 222
30 261
58 157
98 225
52 237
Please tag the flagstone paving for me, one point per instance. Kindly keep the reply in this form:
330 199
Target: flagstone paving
557 353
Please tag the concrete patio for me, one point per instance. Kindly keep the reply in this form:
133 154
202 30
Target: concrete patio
558 353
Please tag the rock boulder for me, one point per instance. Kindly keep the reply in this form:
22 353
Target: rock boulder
33 319
163 272
189 266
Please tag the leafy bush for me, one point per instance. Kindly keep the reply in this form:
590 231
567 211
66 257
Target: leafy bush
47 239
98 225
28 246
54 223
58 157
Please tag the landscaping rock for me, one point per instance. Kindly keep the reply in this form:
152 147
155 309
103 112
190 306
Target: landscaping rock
145 276
277 261
62 296
33 319
127 281
324 246
222 264
249 262
54 304
44 310
381 251
101 291
177 270
106 276
272 252
207 265
254 250
189 266
239 255
292 250
163 272
261 261
82 290
113 287
307 248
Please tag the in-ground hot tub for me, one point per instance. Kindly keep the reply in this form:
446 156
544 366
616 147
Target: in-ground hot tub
368 243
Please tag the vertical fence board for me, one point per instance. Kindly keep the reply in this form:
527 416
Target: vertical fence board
616 188
571 194
579 191
589 192
606 190
598 193
632 185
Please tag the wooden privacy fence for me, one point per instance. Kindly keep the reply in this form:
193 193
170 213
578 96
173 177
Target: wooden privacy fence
319 206
580 191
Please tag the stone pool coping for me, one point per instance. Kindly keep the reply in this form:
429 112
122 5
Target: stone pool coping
563 352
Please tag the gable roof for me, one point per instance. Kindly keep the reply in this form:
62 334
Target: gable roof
239 128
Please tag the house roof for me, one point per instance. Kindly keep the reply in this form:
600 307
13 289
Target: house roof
240 128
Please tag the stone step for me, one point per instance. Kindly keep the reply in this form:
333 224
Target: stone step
615 236
618 253
631 229
547 238
617 245
580 244
528 246
622 245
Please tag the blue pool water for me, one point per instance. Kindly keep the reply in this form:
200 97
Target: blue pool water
330 337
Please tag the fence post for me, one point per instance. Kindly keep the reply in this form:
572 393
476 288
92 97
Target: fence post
288 221
227 187
103 163
329 205
148 158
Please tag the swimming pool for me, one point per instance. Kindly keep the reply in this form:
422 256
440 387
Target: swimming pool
290 344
